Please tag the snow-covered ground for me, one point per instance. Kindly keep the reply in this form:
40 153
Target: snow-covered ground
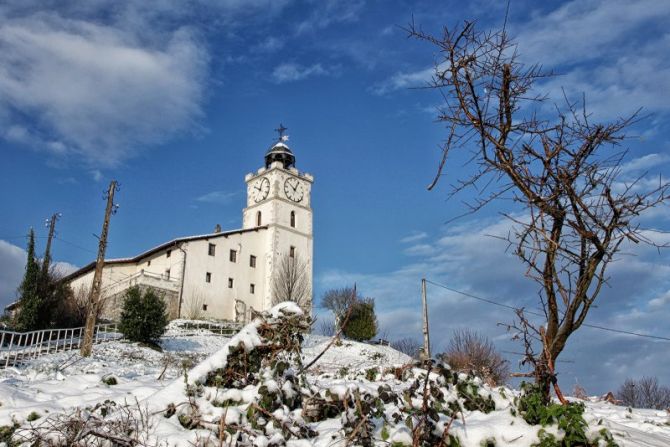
59 382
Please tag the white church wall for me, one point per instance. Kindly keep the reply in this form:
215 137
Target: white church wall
216 295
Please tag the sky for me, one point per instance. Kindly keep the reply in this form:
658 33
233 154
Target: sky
179 100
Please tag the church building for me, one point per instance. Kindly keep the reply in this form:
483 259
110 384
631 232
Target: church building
225 274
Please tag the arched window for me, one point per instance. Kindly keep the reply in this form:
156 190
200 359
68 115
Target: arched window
258 219
293 219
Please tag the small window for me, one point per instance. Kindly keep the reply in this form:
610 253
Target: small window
230 283
204 307
233 256
252 288
148 263
208 277
168 253
167 274
292 219
291 252
259 219
211 249
252 261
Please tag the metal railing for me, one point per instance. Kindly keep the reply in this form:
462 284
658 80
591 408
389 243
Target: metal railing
142 277
219 328
17 347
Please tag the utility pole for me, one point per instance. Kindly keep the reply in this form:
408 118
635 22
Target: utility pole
47 254
426 335
94 297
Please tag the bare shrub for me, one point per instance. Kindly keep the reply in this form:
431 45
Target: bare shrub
579 392
470 351
644 393
327 328
408 346
107 424
193 309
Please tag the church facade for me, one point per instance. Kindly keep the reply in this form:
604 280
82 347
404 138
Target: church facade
225 274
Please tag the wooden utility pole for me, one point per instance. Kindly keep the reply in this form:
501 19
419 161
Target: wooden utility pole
94 298
426 335
47 254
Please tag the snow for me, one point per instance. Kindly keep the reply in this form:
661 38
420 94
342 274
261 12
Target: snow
59 382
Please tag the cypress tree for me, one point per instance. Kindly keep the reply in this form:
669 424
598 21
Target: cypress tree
30 302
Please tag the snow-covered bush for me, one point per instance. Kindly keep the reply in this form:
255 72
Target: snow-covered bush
256 391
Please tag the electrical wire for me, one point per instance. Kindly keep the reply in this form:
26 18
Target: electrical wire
507 306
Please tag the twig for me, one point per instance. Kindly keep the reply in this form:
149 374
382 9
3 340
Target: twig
336 336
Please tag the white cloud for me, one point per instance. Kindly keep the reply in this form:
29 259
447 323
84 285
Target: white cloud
328 12
643 163
12 268
64 268
80 89
583 30
270 44
599 48
404 80
97 175
420 250
291 72
415 236
12 264
220 197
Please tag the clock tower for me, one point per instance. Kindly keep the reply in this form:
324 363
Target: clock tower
279 198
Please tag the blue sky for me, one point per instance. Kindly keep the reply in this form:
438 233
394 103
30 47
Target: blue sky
179 100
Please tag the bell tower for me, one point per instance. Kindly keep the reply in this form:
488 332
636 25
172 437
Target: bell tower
279 198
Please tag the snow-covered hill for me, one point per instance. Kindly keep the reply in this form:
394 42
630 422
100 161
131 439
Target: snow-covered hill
361 394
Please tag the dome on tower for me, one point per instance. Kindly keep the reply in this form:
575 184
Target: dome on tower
279 151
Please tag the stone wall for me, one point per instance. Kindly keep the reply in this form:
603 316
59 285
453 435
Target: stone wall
113 305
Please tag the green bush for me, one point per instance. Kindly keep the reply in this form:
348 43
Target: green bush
143 317
362 323
568 418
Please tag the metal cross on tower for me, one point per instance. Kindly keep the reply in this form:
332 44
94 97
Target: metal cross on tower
281 129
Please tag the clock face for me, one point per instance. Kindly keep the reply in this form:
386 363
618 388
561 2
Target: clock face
260 189
293 189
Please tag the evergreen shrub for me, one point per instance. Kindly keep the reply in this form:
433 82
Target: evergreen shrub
143 318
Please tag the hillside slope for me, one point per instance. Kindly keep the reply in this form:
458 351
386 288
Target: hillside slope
251 391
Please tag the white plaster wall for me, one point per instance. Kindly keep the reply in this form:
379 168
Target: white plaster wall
219 298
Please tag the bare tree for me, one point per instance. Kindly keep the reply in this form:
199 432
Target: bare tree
194 309
562 173
327 328
644 393
469 351
408 346
338 301
291 282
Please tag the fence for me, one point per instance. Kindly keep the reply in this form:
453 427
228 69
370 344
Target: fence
220 328
16 347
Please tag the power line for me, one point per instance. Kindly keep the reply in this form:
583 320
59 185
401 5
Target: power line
75 245
25 236
507 306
